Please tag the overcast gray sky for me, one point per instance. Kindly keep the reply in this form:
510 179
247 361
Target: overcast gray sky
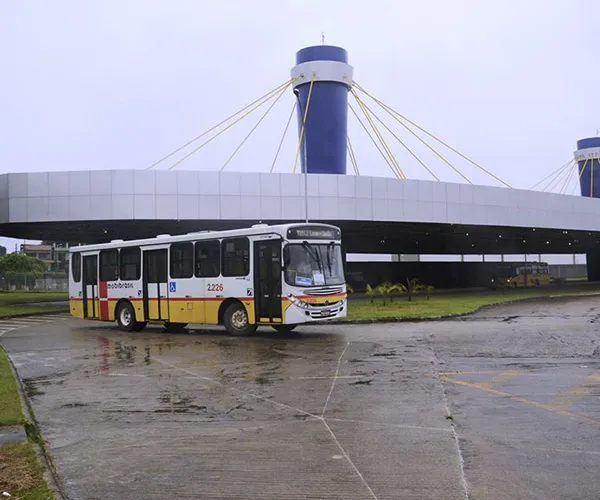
118 84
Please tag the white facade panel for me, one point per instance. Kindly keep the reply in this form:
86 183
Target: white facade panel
346 186
328 185
122 182
122 206
364 187
144 182
329 207
100 206
270 184
17 209
59 208
270 207
58 183
37 184
231 184
208 206
292 207
364 209
38 208
187 183
231 207
100 182
17 185
165 182
144 206
251 207
209 183
166 206
347 208
290 185
187 206
80 208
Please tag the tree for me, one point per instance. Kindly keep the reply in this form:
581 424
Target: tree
2 251
20 263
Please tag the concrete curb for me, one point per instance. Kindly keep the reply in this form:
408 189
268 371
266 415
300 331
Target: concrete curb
420 319
31 430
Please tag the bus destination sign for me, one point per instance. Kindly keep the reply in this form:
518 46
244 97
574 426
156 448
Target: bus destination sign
313 233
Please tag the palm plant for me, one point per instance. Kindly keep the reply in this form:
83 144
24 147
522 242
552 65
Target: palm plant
411 286
370 292
428 289
384 289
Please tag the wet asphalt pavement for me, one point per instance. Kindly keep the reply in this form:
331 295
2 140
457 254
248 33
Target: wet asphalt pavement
504 404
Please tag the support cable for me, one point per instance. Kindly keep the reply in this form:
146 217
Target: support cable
379 134
221 131
352 156
561 178
310 89
592 179
581 173
266 96
279 96
554 178
402 143
287 125
391 112
551 174
374 141
570 177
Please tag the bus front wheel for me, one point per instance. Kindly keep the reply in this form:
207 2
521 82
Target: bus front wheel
236 320
126 317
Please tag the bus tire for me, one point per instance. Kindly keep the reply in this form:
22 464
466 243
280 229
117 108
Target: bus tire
126 316
284 328
139 326
236 320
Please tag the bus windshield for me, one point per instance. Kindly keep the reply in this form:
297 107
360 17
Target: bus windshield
313 264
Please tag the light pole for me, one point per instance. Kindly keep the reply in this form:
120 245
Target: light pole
297 94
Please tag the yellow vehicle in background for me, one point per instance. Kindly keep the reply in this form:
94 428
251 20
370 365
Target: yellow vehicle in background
529 275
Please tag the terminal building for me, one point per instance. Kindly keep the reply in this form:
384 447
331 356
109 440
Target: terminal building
377 215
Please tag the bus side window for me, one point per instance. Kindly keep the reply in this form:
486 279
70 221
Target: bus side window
130 268
76 267
109 265
182 260
208 259
236 257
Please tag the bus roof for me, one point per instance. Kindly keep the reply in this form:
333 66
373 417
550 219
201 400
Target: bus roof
162 239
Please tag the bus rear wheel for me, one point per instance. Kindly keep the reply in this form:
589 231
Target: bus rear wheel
284 328
236 320
126 317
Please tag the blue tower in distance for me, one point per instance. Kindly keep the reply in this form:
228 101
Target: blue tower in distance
326 131
588 160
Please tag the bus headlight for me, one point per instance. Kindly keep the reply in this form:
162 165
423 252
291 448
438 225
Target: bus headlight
299 303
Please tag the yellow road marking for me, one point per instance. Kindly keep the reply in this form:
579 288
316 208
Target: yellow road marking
566 399
542 406
501 377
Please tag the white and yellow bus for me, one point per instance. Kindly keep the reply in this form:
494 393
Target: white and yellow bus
280 275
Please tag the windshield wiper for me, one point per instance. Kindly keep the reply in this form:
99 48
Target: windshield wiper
313 253
330 247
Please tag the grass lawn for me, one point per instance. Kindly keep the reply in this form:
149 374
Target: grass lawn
24 303
21 475
440 305
27 297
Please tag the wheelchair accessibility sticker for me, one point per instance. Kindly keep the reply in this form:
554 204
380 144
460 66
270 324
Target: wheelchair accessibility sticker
172 286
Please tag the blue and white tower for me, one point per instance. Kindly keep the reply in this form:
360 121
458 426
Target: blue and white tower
326 131
588 160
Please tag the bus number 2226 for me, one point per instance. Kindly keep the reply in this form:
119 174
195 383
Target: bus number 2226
215 287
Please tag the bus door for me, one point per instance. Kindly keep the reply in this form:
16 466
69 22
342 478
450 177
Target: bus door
90 287
155 286
267 280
